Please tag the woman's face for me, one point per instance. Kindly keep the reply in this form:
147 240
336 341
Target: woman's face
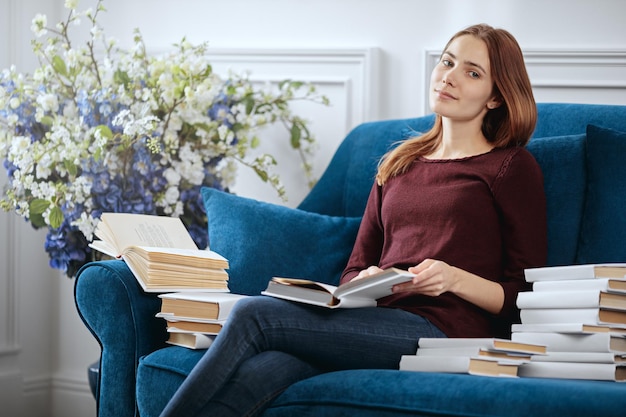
461 87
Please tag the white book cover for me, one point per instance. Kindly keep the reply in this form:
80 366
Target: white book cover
582 328
573 370
191 340
584 357
459 365
570 272
567 342
601 284
572 315
571 299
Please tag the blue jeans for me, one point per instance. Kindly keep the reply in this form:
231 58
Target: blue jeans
269 344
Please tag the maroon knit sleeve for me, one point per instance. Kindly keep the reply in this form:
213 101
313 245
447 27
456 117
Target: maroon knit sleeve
367 247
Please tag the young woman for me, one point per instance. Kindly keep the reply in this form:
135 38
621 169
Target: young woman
462 207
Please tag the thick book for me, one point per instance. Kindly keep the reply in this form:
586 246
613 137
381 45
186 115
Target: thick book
576 328
474 351
584 357
354 294
569 272
190 340
459 365
486 343
602 284
567 342
199 305
160 252
571 299
192 325
574 370
594 316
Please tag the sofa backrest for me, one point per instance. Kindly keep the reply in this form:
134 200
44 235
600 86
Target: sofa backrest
573 167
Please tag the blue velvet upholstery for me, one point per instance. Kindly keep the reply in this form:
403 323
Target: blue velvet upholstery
585 187
606 197
565 192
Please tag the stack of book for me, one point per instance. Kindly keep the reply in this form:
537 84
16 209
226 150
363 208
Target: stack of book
579 313
475 356
163 257
194 318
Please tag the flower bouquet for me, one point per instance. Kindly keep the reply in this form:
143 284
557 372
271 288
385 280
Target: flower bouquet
99 129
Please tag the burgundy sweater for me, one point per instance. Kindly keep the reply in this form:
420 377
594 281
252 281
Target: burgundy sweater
485 214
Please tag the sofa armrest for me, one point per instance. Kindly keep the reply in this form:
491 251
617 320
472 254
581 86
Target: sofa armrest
121 316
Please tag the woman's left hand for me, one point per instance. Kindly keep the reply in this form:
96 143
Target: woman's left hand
432 278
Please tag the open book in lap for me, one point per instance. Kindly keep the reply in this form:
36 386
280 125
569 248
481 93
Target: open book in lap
354 294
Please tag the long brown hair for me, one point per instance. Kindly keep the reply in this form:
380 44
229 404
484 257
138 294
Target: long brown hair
510 124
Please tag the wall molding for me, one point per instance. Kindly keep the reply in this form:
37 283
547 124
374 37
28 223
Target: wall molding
567 75
353 69
347 76
9 296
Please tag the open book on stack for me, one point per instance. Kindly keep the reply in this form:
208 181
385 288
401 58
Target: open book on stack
579 313
194 318
160 253
475 356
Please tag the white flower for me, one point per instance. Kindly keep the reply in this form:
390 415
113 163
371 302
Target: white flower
38 26
127 131
172 177
48 102
171 195
71 4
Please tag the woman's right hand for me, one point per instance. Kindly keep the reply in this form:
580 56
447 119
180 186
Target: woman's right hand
367 272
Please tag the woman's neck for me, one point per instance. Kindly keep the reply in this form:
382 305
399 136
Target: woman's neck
460 140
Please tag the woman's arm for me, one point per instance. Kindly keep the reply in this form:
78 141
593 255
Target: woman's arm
434 278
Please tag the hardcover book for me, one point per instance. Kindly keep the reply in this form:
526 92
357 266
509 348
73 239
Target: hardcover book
160 253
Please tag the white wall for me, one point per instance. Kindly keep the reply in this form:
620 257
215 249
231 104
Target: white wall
371 58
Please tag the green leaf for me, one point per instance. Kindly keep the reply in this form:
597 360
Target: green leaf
59 65
262 174
121 77
38 206
56 217
37 220
105 131
71 167
249 102
47 120
296 135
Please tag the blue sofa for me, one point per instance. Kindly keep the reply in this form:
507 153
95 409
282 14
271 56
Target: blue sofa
582 151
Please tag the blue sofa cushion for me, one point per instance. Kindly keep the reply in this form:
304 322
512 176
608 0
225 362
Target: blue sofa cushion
382 393
562 161
159 375
303 244
604 222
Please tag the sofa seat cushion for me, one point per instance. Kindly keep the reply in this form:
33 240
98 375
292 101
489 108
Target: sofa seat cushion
159 375
262 240
383 393
394 393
